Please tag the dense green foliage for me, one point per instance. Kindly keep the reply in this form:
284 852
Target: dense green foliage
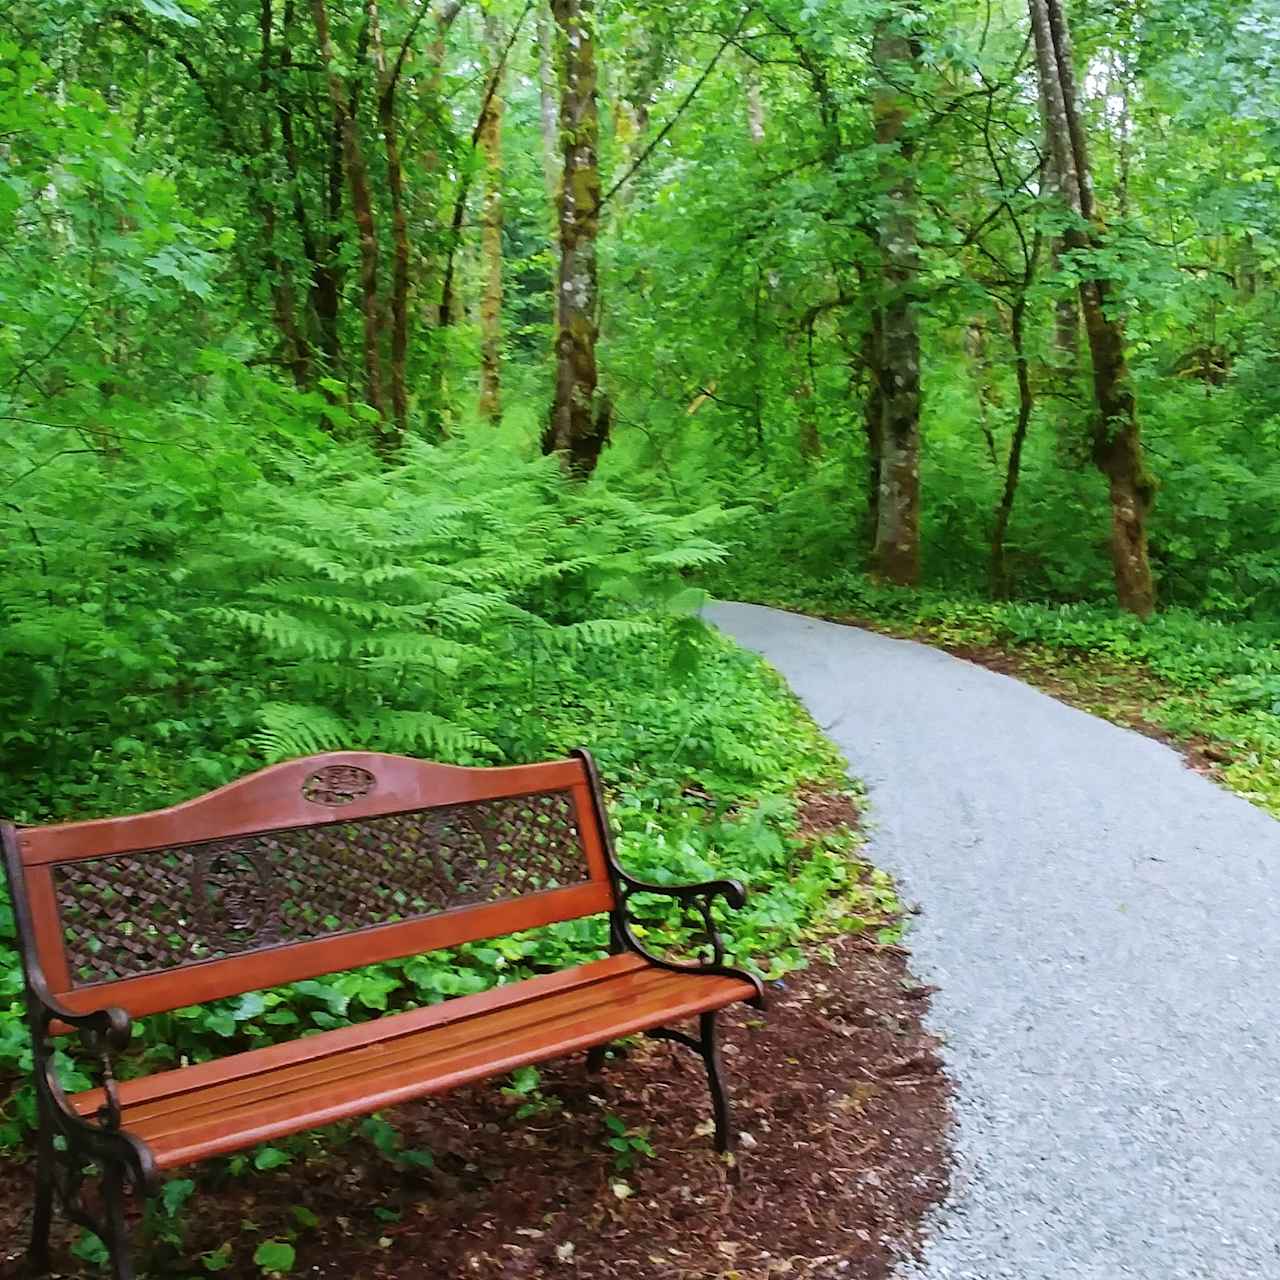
250 511
745 268
179 619
173 186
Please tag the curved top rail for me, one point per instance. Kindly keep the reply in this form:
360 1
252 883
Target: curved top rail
335 786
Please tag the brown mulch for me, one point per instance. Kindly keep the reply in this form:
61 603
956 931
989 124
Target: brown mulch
822 809
839 1096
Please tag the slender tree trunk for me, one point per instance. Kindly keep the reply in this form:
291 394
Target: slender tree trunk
322 291
1066 313
755 104
330 280
296 349
490 405
988 395
897 548
399 224
578 426
548 110
433 286
1117 439
873 421
1026 406
362 211
493 85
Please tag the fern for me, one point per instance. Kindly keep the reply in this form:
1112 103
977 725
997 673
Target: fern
188 624
288 729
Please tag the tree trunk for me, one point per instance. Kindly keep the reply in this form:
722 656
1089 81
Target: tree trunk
399 224
1117 439
988 393
490 405
548 111
896 557
580 416
296 350
755 104
329 280
362 211
1066 314
431 105
323 290
873 422
1026 406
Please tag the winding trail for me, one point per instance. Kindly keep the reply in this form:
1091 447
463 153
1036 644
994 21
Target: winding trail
1104 925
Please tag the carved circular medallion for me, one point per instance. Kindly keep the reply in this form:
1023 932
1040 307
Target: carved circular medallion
338 784
234 896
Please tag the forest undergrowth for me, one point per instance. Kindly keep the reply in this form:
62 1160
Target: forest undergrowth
471 606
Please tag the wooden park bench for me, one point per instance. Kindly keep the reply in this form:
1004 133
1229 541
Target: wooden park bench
303 869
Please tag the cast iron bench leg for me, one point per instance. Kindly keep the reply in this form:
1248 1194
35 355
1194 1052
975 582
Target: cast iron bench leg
113 1182
725 1136
38 1257
111 1227
708 1045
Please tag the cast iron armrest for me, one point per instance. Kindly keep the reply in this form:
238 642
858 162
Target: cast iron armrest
106 1030
731 891
103 1032
700 896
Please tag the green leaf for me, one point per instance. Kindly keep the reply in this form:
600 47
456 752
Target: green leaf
175 1193
384 1136
221 1023
275 1256
270 1158
524 1080
218 1259
88 1248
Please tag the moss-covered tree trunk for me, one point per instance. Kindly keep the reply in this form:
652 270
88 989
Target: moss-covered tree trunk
1117 437
490 404
896 556
548 110
388 125
579 422
872 420
357 175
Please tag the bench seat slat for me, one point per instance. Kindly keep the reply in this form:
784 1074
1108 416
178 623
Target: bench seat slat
400 1037
409 1055
194 1113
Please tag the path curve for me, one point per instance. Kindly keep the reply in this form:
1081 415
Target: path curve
1104 925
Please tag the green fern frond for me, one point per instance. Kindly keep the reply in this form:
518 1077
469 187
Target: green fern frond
285 632
422 731
287 729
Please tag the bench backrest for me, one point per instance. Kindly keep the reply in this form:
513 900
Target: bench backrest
303 869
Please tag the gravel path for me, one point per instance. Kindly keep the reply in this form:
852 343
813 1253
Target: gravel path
1105 928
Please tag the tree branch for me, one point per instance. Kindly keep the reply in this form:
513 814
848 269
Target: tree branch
689 97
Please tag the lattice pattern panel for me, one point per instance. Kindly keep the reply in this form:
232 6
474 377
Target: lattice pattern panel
137 913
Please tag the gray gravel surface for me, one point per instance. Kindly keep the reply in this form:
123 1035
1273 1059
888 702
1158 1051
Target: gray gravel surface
1104 927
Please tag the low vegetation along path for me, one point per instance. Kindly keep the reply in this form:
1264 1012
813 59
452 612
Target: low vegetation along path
1104 927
